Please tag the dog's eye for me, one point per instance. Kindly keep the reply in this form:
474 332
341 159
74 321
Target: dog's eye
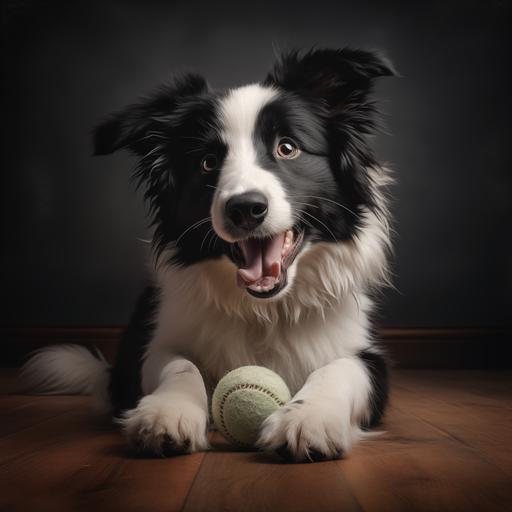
209 163
287 149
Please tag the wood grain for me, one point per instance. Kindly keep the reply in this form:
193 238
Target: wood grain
433 456
445 446
70 460
232 481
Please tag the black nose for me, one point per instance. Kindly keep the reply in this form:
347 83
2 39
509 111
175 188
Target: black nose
247 210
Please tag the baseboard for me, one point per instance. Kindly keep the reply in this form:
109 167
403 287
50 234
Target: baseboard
421 347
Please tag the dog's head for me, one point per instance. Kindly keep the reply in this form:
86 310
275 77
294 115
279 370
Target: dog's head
260 172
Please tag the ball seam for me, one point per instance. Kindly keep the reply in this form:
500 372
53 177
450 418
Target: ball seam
238 387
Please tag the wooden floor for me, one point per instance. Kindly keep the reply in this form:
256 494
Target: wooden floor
447 446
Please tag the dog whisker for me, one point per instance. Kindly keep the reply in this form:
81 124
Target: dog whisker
298 218
329 201
307 204
193 226
320 222
213 240
204 239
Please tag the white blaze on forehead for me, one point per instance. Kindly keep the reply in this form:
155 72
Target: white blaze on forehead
239 112
240 109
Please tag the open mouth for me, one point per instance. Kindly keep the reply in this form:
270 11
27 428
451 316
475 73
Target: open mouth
263 262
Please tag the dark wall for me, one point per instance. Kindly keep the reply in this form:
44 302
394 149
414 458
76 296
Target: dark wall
71 223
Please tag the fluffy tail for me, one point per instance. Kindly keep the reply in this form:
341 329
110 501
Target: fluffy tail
65 369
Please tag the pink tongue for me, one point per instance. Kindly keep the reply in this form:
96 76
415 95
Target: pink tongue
262 260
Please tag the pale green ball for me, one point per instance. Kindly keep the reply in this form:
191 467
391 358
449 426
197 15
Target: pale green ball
243 399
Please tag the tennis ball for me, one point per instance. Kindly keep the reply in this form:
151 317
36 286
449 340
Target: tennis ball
243 399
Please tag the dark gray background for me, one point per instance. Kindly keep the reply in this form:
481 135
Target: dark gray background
71 223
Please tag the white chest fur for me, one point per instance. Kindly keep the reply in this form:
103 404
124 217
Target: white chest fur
204 317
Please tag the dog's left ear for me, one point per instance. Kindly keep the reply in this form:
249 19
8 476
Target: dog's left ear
335 76
141 126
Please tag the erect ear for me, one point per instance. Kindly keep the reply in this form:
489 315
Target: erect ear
137 126
335 76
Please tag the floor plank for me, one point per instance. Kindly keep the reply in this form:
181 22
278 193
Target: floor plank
482 423
445 446
74 461
488 388
417 465
25 412
254 482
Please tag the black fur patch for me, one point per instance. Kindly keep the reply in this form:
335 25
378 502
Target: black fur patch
125 377
338 85
378 371
170 132
323 103
326 208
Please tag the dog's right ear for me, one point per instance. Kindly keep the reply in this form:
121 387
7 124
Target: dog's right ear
337 77
138 127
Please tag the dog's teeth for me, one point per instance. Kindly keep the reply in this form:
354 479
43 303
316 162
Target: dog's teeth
288 241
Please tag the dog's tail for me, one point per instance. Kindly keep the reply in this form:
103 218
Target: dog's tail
66 370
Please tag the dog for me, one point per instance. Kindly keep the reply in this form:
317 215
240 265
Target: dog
271 236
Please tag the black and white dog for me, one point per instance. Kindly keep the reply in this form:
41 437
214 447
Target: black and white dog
271 231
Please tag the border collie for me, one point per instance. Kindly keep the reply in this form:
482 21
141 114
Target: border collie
271 233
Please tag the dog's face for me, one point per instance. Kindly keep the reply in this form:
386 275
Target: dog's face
260 172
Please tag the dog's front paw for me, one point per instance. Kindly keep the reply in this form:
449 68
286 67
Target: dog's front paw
165 425
304 431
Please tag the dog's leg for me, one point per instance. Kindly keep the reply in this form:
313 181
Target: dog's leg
324 419
126 376
172 417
